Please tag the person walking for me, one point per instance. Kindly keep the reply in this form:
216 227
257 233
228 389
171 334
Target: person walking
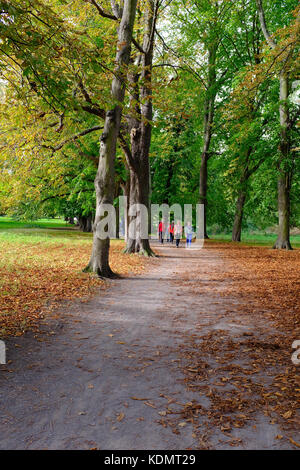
177 232
167 232
161 231
188 230
171 231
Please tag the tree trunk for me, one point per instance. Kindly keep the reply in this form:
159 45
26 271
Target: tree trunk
238 218
126 193
203 189
139 194
140 133
117 208
117 221
105 185
105 178
284 178
209 107
246 173
85 223
283 237
132 198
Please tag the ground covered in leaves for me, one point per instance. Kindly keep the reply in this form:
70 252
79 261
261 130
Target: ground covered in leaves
243 366
39 267
193 353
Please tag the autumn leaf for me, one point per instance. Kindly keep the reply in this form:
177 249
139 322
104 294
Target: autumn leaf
120 416
294 442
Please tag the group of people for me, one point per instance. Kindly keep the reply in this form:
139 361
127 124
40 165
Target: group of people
174 232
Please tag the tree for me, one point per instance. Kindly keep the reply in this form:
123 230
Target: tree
284 170
205 45
105 178
212 86
55 89
139 127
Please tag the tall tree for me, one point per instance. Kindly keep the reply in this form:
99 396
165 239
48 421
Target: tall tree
284 170
105 178
139 128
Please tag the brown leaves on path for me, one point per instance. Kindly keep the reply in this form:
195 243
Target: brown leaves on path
240 359
36 275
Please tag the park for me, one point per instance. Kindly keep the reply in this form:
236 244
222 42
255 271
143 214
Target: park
149 227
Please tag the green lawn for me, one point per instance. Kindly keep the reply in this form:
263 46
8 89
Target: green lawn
45 231
58 231
256 238
10 223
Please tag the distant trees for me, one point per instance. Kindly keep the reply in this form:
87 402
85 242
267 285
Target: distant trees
54 86
236 81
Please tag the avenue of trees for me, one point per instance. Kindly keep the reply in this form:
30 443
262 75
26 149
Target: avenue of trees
164 101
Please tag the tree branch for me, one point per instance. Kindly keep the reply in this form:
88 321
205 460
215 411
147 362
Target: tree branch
73 137
94 109
189 68
127 151
137 45
263 24
102 12
83 190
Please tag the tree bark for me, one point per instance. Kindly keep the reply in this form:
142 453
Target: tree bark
246 173
126 192
238 218
140 128
139 194
105 178
85 223
209 107
284 177
203 189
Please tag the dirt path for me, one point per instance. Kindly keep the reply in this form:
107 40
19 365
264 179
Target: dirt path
109 373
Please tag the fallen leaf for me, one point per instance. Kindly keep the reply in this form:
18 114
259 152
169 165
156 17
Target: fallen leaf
140 399
294 442
120 417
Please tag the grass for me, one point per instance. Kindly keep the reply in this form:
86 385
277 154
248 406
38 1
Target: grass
256 238
7 223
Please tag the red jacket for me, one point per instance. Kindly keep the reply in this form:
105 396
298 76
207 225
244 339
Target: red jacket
161 227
